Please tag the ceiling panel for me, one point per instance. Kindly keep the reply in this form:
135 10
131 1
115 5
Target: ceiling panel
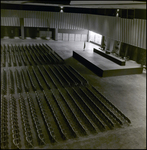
85 4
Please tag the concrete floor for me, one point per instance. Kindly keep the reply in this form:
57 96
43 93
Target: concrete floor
127 93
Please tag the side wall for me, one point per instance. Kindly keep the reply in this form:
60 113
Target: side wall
129 31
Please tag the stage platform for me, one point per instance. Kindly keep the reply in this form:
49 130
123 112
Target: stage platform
104 67
110 57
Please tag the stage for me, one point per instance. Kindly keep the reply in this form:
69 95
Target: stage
104 67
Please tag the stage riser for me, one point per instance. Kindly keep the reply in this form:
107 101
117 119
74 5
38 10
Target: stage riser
117 61
106 73
88 64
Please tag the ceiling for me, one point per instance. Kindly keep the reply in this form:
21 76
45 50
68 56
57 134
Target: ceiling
84 4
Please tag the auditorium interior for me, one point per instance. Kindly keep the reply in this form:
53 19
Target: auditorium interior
73 74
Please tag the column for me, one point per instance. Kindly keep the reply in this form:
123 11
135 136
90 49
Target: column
22 27
56 34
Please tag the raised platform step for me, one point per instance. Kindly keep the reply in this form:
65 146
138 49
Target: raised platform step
104 67
110 57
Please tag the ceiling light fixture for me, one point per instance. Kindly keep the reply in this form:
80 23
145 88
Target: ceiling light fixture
117 13
61 7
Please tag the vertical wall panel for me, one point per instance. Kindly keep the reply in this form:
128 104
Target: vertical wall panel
139 33
144 37
10 21
129 31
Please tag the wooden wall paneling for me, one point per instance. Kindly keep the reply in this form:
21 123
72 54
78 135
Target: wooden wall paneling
120 29
63 21
112 28
81 19
53 20
109 28
72 25
9 21
67 20
141 29
126 33
125 30
132 32
78 37
60 36
84 37
100 25
2 21
141 36
57 18
6 21
73 21
13 21
144 35
116 25
135 32
50 19
139 33
65 36
71 37
104 27
59 21
31 22
129 30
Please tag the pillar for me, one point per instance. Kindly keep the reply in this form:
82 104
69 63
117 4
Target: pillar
56 34
22 27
